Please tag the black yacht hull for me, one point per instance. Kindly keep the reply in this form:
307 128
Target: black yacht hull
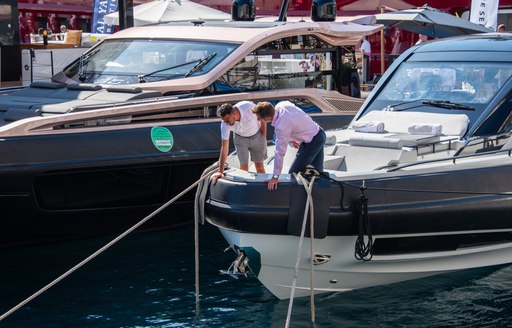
66 186
430 211
89 182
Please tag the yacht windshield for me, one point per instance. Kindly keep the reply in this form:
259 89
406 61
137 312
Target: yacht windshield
443 87
124 61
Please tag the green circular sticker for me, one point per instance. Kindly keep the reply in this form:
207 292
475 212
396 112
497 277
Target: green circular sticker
162 138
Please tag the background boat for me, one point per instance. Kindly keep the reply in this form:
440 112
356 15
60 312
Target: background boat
130 123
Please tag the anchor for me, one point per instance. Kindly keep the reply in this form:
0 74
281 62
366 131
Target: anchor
239 267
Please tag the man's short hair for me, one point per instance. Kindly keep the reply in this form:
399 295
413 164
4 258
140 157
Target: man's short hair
225 109
263 110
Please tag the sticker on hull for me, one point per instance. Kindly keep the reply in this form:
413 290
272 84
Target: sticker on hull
162 138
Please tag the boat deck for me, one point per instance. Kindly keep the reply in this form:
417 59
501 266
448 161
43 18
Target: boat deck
49 98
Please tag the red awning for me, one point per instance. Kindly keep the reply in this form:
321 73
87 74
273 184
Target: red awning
55 8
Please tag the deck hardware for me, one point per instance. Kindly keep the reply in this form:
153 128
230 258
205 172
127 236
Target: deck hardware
321 258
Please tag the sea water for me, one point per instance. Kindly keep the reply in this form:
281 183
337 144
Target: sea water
147 280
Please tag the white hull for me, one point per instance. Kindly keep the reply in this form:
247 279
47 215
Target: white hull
343 272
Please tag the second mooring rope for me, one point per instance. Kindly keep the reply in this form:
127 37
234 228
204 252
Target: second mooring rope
308 186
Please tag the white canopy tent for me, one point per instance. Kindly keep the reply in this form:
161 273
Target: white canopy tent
160 11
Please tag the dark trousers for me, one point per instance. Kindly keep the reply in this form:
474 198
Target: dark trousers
311 153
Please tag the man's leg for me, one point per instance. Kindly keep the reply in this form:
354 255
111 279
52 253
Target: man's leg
260 168
242 151
258 151
310 154
318 161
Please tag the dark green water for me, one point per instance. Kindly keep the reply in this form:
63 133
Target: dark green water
147 280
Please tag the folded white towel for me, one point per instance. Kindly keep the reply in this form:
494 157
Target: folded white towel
371 127
428 129
330 139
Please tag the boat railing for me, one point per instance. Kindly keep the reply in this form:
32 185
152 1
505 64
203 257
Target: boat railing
486 143
435 146
452 159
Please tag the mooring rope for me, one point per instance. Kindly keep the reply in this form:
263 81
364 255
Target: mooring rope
101 250
308 186
199 215
311 248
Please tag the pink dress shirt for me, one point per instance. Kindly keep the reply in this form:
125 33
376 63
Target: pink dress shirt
290 124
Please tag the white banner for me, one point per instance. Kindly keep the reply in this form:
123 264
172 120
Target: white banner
484 12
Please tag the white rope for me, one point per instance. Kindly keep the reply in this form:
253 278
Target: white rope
101 250
312 244
311 250
308 186
197 217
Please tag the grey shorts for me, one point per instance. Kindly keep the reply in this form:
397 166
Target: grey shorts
256 145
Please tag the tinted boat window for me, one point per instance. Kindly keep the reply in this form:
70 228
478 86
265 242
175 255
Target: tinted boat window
500 121
123 61
474 84
294 62
469 83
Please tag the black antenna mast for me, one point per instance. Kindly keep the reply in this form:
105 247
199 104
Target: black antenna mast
283 11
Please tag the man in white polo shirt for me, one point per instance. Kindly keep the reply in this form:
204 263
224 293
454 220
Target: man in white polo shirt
250 136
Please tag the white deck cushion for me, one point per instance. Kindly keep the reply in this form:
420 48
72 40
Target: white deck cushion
374 141
14 114
399 122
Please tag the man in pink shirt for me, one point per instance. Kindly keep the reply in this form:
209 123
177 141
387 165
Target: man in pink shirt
291 124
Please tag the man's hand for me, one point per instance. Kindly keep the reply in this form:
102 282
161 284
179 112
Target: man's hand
272 183
296 144
216 177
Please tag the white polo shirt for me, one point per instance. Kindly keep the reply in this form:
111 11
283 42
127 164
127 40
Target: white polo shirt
248 125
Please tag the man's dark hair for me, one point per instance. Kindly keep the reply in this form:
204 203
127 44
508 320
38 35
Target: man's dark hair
225 109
